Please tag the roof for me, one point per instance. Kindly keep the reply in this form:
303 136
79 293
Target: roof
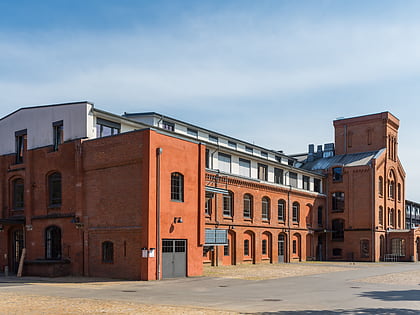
348 160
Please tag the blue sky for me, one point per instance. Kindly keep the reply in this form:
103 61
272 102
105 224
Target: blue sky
276 73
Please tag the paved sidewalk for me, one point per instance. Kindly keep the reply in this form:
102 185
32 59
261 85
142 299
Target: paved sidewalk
384 288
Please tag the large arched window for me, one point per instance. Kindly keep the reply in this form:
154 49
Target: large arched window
18 192
53 242
107 252
177 187
248 206
54 189
281 207
265 208
295 212
381 186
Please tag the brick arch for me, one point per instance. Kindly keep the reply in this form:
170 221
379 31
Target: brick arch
296 250
268 237
248 246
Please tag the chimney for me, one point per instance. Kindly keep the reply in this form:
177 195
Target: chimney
328 150
311 151
319 152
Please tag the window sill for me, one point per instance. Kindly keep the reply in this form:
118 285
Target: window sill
248 219
227 218
180 201
266 221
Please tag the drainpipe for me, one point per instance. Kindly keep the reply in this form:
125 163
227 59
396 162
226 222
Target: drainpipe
289 225
373 213
158 262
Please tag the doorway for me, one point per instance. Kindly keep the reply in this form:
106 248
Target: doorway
174 258
281 248
16 248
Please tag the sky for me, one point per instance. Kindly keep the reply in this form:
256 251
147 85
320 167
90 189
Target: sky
274 73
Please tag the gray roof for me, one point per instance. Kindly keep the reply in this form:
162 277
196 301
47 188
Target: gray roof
354 159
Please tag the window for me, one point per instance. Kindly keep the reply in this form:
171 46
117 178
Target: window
208 204
293 179
398 246
281 205
265 208
338 201
168 125
320 210
369 136
249 149
337 174
53 242
278 176
278 158
106 128
264 247
54 188
338 230
247 206
192 132
107 252
264 154
214 139
18 194
305 182
399 192
232 144
20 137
295 212
381 186
262 172
399 219
391 217
228 204
246 247
244 167
337 252
317 185
207 158
391 193
294 247
226 249
350 139
177 187
224 162
57 134
381 216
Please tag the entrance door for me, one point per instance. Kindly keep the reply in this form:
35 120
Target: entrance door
319 249
281 248
17 246
174 258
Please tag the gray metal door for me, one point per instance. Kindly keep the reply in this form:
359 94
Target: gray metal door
174 258
281 248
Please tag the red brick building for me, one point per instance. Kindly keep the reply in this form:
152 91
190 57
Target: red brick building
138 196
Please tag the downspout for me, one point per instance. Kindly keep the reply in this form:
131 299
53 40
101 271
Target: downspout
289 226
327 206
158 252
373 213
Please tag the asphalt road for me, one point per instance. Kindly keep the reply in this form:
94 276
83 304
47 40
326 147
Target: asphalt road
329 293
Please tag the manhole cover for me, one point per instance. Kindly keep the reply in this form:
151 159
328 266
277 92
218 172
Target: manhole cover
125 291
272 300
355 287
223 286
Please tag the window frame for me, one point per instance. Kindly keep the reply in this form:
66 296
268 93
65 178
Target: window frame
58 134
228 204
265 208
295 212
247 200
177 187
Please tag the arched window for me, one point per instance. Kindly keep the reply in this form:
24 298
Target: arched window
53 242
228 204
264 247
391 189
246 247
381 186
54 189
399 219
265 204
18 192
107 252
399 191
295 212
281 206
391 219
177 186
381 216
248 206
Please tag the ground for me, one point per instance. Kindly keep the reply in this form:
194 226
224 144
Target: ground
103 296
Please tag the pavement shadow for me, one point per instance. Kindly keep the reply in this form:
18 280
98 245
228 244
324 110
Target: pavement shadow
359 311
405 295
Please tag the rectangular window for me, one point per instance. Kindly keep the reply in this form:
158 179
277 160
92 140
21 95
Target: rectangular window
264 247
106 128
278 158
208 204
192 132
244 167
278 176
232 144
337 174
320 210
213 139
317 185
264 154
246 247
338 201
207 158
338 230
224 163
280 210
262 172
57 134
167 125
294 249
18 194
226 249
247 206
227 205
305 182
293 179
20 137
249 149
